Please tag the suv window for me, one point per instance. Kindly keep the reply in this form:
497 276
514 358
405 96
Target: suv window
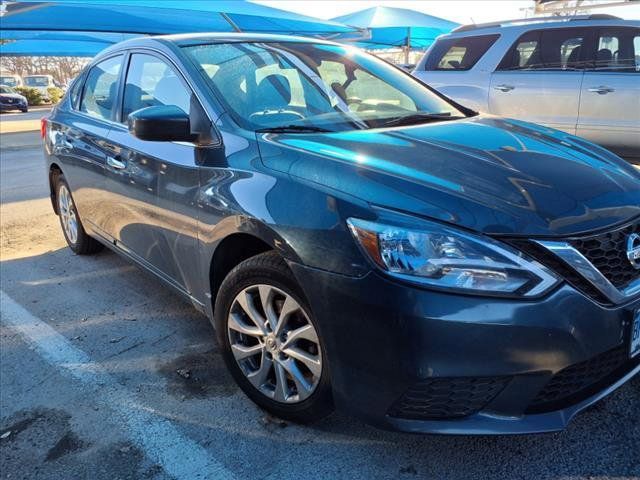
556 49
150 82
459 53
101 87
617 50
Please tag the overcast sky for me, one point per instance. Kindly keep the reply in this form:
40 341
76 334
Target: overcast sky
460 11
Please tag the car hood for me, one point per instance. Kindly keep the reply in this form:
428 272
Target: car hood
488 174
15 96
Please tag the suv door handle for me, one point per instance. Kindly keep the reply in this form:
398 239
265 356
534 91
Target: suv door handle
115 163
504 88
602 90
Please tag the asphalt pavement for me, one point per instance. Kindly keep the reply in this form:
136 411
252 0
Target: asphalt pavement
105 374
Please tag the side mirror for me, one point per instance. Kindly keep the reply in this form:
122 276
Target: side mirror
162 123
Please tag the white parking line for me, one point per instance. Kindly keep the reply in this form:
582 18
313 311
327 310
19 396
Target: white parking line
157 437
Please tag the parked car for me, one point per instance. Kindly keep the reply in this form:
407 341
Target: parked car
42 83
11 80
10 100
357 239
577 74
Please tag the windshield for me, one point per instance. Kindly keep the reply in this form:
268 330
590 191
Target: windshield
36 81
313 86
9 81
5 89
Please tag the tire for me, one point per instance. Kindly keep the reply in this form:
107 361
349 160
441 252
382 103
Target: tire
24 110
270 271
72 229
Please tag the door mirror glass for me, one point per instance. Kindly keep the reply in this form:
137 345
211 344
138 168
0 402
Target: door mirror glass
162 123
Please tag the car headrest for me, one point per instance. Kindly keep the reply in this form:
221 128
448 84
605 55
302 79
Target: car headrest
604 55
574 56
166 90
273 92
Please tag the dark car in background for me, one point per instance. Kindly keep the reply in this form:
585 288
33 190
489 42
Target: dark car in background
11 100
357 239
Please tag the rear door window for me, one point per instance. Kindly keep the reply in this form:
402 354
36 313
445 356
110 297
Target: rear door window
617 50
101 88
555 49
459 53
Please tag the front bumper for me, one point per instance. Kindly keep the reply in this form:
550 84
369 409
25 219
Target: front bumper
5 107
385 341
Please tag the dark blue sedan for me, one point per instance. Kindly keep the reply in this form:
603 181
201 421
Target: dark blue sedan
357 239
12 100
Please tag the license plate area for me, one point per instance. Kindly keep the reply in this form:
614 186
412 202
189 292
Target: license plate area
634 340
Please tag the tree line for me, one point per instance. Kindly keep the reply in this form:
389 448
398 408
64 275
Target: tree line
62 69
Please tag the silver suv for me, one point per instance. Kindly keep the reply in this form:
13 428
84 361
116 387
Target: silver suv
577 74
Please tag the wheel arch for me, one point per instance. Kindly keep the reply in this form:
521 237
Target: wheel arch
243 238
54 172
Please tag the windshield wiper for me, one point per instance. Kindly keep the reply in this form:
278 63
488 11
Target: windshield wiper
419 118
292 129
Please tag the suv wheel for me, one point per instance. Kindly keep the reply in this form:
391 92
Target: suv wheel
270 340
72 228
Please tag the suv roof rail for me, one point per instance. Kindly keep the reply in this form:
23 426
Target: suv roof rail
474 26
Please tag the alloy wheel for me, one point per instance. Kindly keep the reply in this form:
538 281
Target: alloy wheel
68 214
274 343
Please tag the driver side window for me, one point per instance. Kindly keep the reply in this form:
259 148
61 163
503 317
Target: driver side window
152 82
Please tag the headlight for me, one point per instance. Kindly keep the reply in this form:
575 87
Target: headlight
447 258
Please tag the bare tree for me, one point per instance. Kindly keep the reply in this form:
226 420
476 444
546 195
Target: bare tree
62 69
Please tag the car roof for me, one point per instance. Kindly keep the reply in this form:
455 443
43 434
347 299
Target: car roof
524 25
186 39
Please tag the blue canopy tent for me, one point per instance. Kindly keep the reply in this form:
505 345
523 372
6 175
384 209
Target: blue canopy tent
396 27
58 43
98 37
52 48
48 28
161 17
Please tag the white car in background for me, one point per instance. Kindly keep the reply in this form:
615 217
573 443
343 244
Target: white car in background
577 74
10 80
42 83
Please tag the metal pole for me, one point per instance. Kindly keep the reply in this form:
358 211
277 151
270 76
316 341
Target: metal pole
407 47
231 22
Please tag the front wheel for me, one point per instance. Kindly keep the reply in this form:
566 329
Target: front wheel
72 228
270 340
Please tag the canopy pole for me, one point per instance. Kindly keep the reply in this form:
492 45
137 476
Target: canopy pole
407 46
230 22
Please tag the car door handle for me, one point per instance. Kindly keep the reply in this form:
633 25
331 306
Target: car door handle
115 163
601 90
504 88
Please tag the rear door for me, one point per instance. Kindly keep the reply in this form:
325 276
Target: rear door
79 139
153 186
610 99
540 77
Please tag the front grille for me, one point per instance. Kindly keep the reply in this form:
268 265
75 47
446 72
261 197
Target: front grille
447 398
555 263
608 253
580 381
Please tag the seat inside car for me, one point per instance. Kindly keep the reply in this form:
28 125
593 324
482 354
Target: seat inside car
272 100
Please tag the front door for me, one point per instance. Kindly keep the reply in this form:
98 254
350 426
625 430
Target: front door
539 79
610 99
154 185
